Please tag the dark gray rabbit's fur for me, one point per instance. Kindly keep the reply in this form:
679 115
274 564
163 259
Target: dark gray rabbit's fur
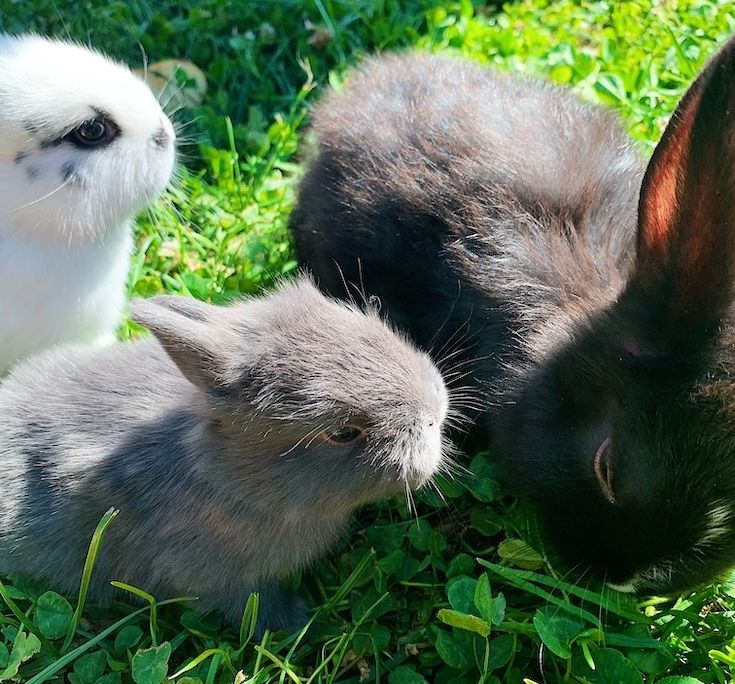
497 220
214 443
473 204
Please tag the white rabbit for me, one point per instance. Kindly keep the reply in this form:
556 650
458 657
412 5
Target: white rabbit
83 145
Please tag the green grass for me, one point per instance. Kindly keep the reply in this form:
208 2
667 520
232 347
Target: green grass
464 593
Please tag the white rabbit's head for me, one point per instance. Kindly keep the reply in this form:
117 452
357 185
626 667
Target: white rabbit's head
83 142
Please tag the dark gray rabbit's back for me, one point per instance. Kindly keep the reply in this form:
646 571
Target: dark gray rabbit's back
427 164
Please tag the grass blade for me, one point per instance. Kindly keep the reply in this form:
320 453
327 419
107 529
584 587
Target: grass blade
89 563
527 576
49 671
151 600
23 619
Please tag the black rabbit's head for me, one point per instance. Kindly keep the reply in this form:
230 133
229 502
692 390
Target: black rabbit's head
625 435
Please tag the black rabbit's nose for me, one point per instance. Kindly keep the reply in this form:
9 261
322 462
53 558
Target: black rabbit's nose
161 138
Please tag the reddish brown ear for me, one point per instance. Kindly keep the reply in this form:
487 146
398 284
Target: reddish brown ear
686 225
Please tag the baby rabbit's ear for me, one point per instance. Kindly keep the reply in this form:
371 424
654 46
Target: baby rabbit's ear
187 329
686 226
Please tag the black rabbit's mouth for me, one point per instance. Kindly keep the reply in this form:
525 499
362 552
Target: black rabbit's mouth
603 470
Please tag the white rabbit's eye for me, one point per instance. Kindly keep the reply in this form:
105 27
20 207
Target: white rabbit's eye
94 133
603 471
345 435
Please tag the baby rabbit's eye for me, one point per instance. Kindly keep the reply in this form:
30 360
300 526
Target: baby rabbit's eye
603 471
345 435
93 133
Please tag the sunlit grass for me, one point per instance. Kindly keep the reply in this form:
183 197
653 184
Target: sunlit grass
465 592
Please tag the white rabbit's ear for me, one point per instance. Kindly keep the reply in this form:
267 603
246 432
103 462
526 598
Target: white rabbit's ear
686 227
188 331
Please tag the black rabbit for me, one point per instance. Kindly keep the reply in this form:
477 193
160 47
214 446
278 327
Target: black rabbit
591 298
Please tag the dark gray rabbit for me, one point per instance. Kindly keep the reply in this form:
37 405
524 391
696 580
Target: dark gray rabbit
235 445
458 196
501 218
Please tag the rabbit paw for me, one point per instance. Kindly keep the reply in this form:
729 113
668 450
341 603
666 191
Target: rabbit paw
281 609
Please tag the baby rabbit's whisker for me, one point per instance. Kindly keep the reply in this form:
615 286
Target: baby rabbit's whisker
410 503
41 199
453 469
446 320
454 343
182 125
459 351
438 490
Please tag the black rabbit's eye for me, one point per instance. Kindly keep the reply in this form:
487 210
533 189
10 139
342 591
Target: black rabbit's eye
603 470
93 133
348 434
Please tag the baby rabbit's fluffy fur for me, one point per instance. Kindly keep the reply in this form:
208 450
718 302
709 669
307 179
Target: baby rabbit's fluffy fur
83 145
235 445
501 217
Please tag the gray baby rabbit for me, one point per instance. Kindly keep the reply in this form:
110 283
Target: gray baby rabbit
592 295
235 445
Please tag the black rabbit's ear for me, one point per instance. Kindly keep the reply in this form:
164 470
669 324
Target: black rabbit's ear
187 329
686 225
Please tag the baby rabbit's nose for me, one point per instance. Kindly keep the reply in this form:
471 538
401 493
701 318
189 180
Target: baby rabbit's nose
161 138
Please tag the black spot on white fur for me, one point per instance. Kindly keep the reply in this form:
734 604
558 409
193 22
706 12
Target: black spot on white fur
68 171
21 156
32 172
51 142
71 174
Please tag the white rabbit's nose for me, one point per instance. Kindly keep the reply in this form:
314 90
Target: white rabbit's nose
162 138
